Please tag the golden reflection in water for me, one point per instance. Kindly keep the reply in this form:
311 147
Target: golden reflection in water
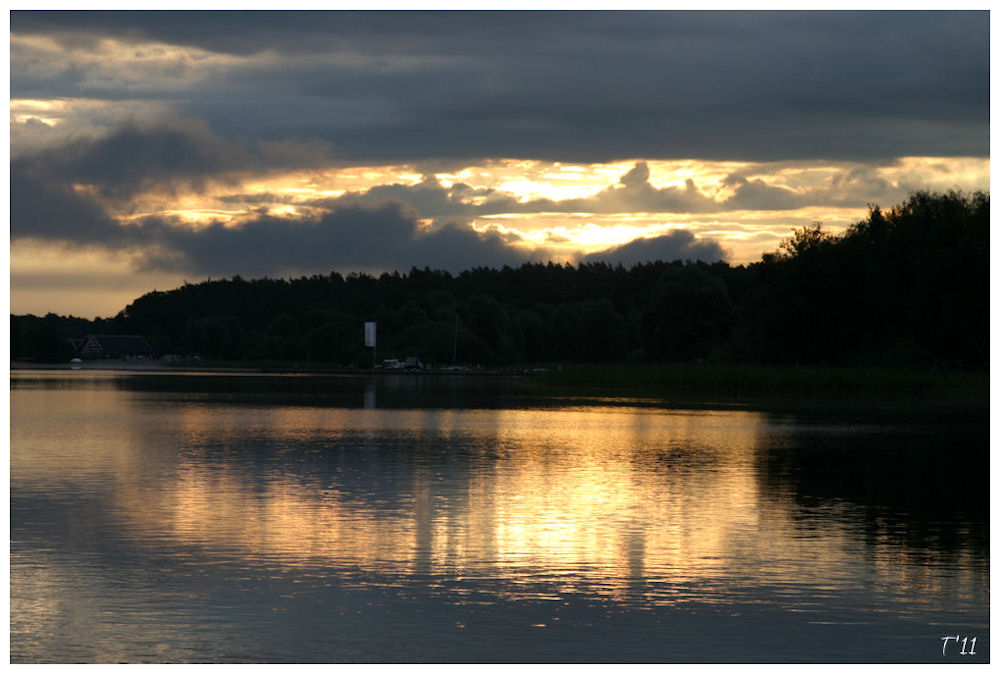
150 520
616 499
61 434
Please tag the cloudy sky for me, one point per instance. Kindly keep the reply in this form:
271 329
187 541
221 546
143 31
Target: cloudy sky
149 149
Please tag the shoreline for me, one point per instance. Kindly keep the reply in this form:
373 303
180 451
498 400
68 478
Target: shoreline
809 389
153 366
743 378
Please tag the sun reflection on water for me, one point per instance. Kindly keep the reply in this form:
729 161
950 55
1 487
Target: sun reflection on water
186 506
615 500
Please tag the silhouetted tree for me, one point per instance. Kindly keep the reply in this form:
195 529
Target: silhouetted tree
908 286
689 312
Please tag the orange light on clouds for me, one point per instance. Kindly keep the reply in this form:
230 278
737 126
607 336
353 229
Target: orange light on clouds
839 190
48 112
309 184
579 236
527 181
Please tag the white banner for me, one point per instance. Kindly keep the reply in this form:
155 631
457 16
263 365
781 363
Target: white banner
370 334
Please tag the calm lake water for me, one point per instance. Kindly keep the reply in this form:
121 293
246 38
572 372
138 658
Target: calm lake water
252 518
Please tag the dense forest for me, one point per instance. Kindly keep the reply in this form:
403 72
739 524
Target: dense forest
904 287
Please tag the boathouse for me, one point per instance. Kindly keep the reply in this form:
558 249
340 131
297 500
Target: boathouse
127 347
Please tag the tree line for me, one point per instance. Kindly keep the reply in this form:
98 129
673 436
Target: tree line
903 287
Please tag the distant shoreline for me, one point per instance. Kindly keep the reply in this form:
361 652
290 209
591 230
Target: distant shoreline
710 378
131 366
242 368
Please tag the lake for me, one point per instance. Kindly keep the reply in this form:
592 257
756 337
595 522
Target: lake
205 517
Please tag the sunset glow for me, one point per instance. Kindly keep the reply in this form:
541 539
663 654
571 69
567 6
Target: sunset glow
499 336
479 195
154 134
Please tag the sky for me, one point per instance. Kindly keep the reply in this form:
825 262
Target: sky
150 149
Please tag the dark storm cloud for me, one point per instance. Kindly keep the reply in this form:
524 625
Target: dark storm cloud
431 199
428 197
374 239
135 158
758 195
564 86
675 245
382 238
50 211
376 230
634 193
